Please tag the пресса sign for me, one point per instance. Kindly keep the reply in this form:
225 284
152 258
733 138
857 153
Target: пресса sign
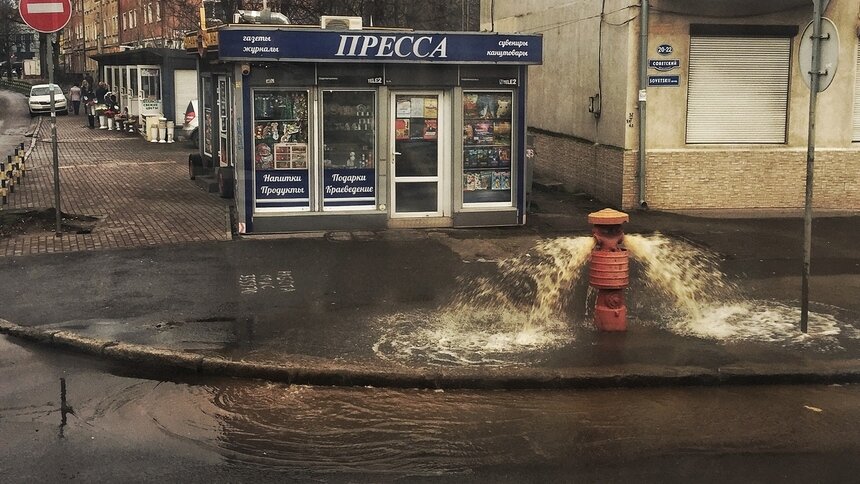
241 44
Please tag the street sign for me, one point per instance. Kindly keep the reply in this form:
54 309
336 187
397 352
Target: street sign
46 16
664 81
829 54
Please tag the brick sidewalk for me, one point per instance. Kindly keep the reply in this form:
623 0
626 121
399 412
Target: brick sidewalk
140 191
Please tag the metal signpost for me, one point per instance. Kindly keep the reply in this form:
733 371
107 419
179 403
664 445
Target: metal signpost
818 49
49 16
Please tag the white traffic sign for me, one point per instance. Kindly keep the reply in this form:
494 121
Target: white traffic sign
829 54
46 16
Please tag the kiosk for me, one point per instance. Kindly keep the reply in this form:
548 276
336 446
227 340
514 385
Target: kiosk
151 81
316 129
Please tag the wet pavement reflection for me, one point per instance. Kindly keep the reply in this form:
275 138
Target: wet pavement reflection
107 415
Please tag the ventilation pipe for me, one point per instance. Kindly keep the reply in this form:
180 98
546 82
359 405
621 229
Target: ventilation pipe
643 92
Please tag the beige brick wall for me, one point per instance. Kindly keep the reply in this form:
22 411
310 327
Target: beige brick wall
701 178
580 165
751 179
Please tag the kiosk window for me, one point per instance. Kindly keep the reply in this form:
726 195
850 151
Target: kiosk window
133 81
150 83
349 149
207 116
487 147
280 150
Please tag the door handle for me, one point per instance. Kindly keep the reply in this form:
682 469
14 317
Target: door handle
397 153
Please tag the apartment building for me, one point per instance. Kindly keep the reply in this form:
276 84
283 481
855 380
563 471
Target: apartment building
106 26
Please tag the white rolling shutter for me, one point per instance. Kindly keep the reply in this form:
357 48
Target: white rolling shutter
856 133
185 85
738 89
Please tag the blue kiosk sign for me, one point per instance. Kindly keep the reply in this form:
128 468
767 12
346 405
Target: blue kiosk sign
346 46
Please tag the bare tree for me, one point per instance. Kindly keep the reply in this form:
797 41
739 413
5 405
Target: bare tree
418 15
179 17
10 26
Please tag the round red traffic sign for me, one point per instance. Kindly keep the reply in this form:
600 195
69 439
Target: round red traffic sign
46 16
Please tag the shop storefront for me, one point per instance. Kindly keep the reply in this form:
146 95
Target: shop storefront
366 129
151 82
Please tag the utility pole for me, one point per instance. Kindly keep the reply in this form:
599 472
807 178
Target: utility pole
814 83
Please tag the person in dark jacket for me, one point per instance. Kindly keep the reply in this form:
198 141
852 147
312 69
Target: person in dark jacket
101 90
88 98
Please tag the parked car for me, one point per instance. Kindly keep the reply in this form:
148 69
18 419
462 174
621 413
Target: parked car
40 99
189 127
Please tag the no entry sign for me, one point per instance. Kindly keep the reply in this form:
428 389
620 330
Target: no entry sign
46 16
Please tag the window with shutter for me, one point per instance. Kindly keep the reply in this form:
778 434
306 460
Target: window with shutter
738 89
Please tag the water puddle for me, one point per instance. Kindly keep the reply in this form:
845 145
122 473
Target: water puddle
538 303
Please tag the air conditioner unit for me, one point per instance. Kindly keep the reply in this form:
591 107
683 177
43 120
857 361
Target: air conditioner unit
336 22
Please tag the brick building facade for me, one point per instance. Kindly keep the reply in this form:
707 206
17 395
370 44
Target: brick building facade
726 102
105 26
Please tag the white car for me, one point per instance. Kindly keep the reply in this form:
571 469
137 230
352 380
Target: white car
40 99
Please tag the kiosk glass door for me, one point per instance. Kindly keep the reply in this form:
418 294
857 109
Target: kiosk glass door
417 155
223 103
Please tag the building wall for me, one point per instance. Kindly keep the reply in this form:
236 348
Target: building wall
751 179
678 176
581 59
103 26
597 169
689 176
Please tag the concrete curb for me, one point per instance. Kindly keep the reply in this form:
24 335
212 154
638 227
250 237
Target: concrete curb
305 370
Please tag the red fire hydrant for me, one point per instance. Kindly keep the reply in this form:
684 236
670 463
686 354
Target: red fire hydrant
609 270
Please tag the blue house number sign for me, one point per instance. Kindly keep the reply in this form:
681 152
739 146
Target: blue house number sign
665 49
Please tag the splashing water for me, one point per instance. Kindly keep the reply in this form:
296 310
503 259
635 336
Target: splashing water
681 271
535 284
704 304
496 319
519 314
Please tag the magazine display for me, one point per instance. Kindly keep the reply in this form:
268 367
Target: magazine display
417 118
349 129
416 135
487 147
280 130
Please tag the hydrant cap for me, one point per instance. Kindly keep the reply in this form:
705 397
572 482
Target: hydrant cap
608 216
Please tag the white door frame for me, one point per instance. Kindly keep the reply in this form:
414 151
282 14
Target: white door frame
443 156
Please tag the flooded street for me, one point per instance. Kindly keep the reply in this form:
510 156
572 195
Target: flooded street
153 427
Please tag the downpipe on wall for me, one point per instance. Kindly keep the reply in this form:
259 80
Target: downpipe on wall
643 91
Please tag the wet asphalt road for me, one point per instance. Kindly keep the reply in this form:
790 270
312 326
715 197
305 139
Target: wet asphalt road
122 426
14 122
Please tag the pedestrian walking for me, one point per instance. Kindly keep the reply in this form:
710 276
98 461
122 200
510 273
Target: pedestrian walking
75 97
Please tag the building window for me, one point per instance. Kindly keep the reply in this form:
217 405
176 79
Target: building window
487 117
738 84
349 150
